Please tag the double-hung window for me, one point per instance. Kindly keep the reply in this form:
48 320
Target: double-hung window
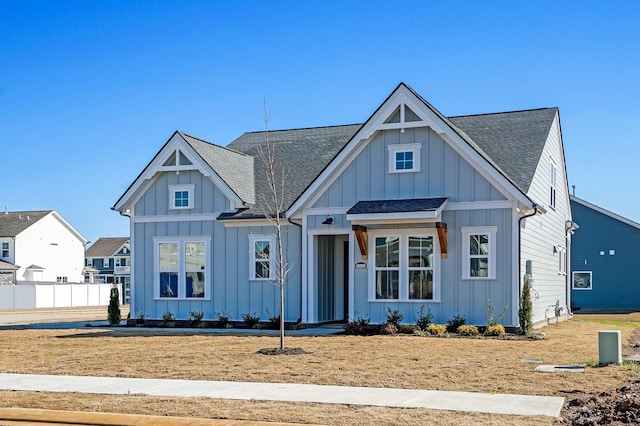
405 266
5 250
261 257
404 158
479 252
181 197
182 268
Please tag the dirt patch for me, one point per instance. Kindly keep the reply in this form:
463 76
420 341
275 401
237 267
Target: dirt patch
617 406
285 351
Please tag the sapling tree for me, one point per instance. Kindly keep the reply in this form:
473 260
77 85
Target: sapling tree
273 208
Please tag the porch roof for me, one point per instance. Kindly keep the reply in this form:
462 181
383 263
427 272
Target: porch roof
407 209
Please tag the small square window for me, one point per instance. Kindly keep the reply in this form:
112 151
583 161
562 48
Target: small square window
181 197
404 158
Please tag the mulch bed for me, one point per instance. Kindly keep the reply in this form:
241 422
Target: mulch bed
285 351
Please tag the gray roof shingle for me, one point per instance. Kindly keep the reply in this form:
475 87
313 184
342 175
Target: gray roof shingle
13 223
105 247
396 206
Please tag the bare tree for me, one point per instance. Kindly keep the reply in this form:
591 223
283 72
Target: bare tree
274 207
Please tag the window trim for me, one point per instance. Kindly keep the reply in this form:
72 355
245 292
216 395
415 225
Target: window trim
573 280
253 239
189 188
414 148
403 278
182 285
7 249
468 231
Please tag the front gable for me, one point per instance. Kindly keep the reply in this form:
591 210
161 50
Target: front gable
177 157
406 119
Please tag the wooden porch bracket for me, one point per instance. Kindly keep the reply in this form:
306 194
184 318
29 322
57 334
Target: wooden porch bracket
361 237
442 238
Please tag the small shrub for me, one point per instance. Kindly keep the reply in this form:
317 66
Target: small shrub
196 319
224 317
389 328
468 330
168 319
251 320
406 329
525 309
491 312
394 317
357 326
140 317
494 330
437 329
423 320
274 321
455 322
113 311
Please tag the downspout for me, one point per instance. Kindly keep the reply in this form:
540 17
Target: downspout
535 212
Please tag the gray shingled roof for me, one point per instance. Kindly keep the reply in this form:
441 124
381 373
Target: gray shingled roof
512 140
302 153
396 206
13 223
105 247
227 164
6 266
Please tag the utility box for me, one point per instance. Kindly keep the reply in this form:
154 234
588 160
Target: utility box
609 347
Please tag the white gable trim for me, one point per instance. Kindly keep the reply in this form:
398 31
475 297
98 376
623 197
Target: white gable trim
429 118
70 228
156 166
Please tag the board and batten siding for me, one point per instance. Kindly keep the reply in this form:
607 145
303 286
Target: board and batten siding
540 233
443 173
229 288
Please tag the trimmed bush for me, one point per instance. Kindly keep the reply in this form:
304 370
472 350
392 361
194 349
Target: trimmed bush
495 330
525 309
394 317
251 320
357 326
455 322
468 330
437 329
423 320
113 311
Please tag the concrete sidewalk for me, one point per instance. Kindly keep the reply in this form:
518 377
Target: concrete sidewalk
382 397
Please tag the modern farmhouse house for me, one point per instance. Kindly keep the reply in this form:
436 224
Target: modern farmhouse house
409 209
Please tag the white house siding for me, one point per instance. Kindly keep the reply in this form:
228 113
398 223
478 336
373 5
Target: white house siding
229 288
542 232
443 174
51 245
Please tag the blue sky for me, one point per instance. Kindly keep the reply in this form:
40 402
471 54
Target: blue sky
90 90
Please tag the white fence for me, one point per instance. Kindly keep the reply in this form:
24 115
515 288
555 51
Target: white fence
30 294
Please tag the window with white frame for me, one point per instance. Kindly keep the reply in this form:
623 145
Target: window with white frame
562 261
105 262
553 175
90 261
181 197
404 158
479 252
181 268
261 257
5 250
404 266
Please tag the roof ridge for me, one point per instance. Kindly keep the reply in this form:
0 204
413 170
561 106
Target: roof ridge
305 128
211 143
502 112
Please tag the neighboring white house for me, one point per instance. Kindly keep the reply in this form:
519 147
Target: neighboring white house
41 246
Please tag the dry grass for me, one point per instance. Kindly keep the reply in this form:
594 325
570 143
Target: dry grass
379 361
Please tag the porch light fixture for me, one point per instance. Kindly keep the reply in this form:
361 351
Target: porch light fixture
328 221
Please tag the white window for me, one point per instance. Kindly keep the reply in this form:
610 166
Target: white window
261 257
582 280
404 158
182 268
404 266
181 197
105 263
479 253
121 261
5 250
562 261
90 261
553 184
